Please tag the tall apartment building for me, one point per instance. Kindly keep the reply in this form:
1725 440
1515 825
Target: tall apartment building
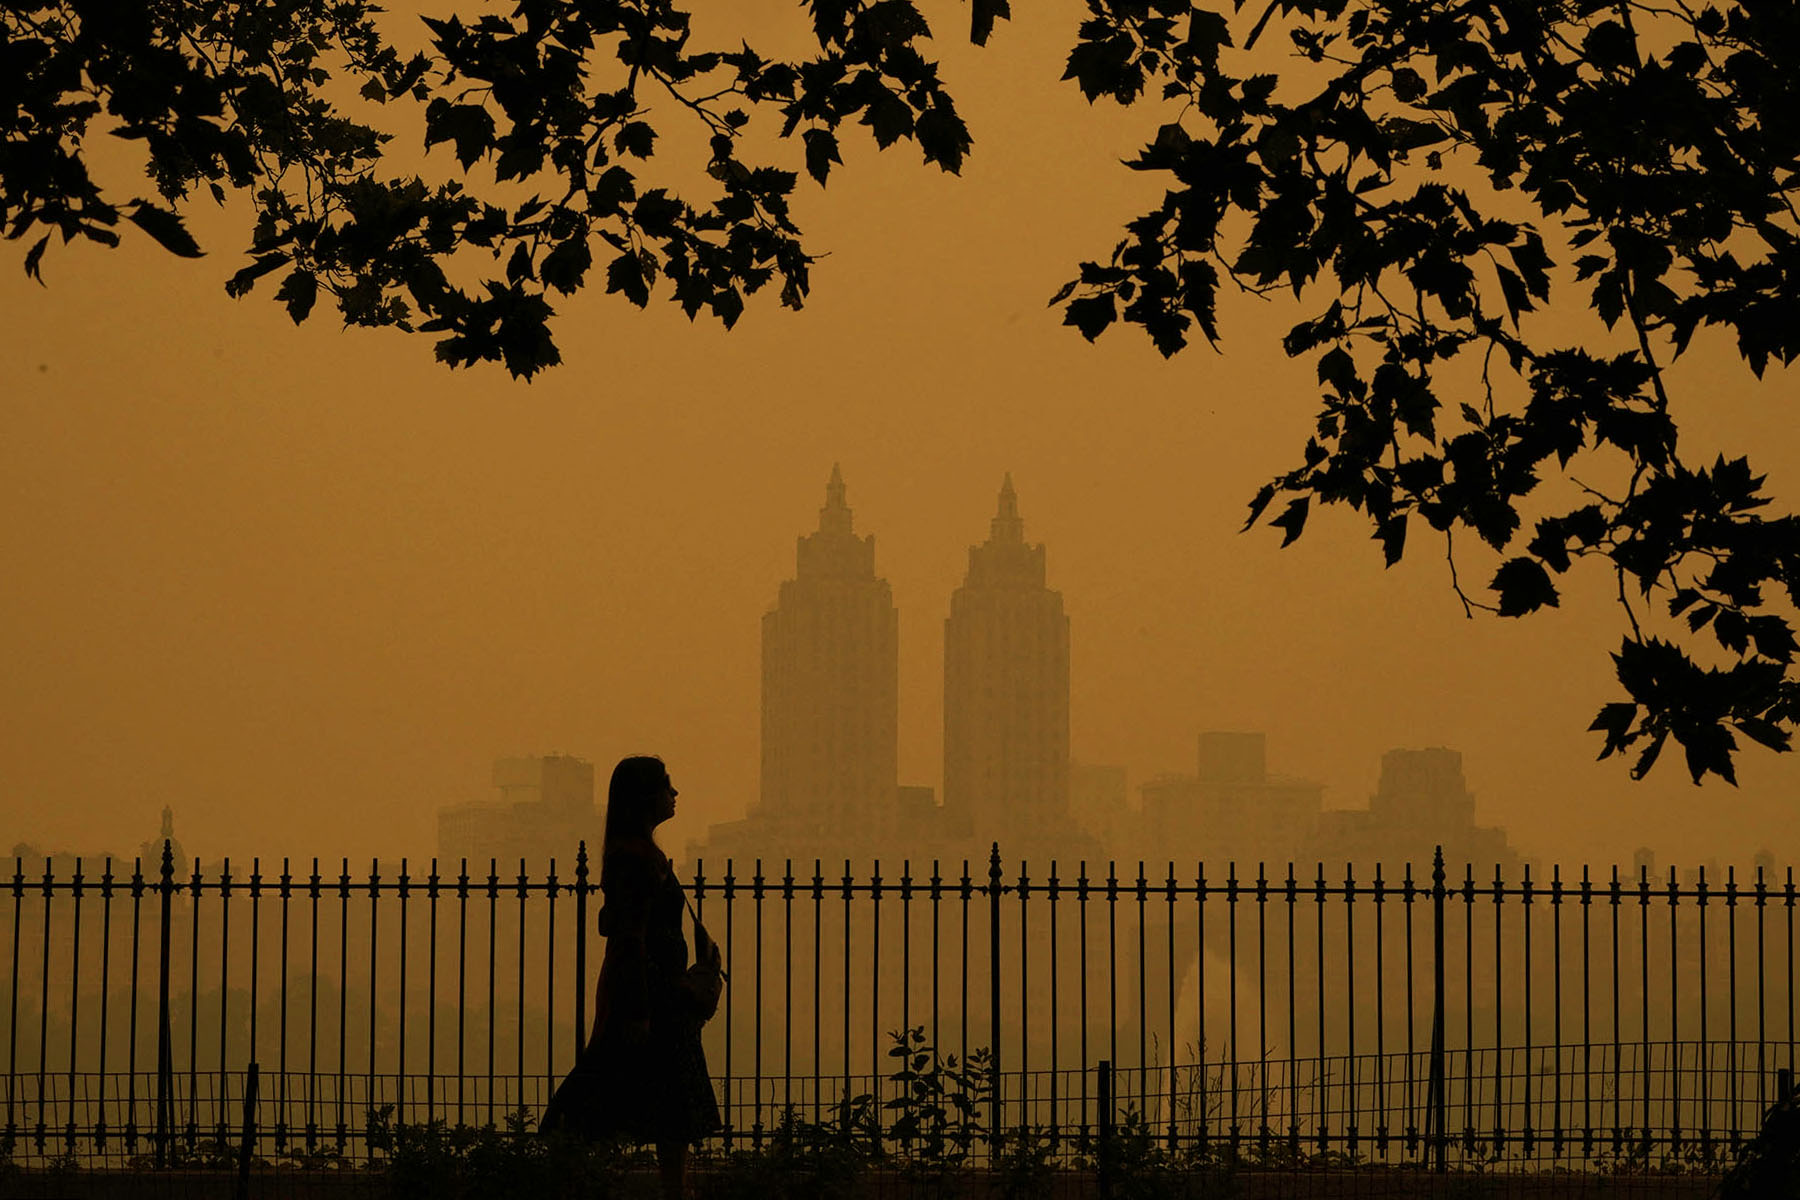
1006 690
830 689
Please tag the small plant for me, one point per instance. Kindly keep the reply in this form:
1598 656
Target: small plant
436 1161
1026 1165
1139 1166
800 1159
939 1107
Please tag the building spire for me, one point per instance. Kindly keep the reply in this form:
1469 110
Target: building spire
835 516
1007 525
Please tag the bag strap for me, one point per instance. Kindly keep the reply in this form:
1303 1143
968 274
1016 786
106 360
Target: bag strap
699 928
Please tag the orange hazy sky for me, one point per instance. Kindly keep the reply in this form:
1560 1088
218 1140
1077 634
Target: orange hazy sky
304 585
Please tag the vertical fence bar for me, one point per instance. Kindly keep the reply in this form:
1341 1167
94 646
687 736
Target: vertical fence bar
1674 1017
281 1112
1705 1063
1644 998
756 992
1143 1008
550 898
1081 977
523 895
1556 1010
818 959
493 933
312 1010
1024 1067
1413 1130
1525 1081
43 1055
1499 1137
787 985
1201 1100
75 882
403 888
1381 1093
1112 961
1439 1104
12 995
131 1053
432 884
165 1067
848 883
256 882
462 985
1056 1111
221 1123
581 924
1762 1027
995 1048
1731 1003
1619 1134
341 1128
1292 895
1468 1074
193 1038
1234 1126
369 1092
1350 1004
106 907
1587 1013
1323 1132
1169 971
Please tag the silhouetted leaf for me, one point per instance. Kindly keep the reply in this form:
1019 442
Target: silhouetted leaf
982 15
34 256
166 228
1292 520
636 138
625 274
821 152
298 291
1392 535
1091 314
1524 586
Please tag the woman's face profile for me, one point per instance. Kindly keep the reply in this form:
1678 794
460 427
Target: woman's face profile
663 806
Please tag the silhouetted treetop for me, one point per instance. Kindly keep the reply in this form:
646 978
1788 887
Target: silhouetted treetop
250 95
1414 182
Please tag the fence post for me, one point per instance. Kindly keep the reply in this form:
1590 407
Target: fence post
246 1148
1438 1100
994 988
581 893
165 1051
1103 1151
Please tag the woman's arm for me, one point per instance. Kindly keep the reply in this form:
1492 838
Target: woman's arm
630 884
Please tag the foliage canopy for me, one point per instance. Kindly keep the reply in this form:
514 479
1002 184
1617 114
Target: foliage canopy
1422 178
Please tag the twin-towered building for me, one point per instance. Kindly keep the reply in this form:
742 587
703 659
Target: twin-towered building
831 713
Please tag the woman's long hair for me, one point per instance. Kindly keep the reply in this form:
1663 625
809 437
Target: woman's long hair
636 785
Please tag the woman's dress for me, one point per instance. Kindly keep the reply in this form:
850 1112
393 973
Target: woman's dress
628 1083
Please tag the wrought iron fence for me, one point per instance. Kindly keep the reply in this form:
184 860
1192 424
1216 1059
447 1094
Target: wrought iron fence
1428 1019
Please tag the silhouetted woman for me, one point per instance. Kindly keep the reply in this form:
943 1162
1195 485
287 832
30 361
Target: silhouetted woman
642 1075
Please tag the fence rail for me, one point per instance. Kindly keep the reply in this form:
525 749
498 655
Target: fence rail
1413 1019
